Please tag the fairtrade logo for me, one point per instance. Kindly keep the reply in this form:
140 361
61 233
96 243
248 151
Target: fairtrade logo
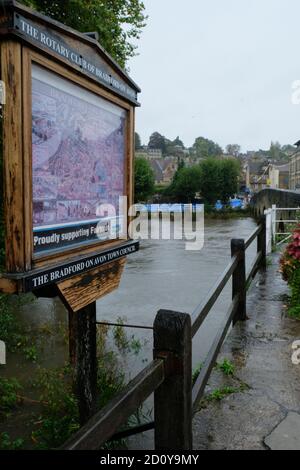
296 353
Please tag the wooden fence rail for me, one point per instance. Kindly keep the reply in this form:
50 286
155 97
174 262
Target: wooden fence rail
169 375
107 421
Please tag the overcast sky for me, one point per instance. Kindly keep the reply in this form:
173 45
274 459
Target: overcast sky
222 69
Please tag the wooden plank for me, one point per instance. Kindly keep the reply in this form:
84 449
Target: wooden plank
173 399
201 312
262 243
254 268
83 356
211 358
43 261
27 168
11 74
107 421
80 291
130 160
239 278
8 286
253 236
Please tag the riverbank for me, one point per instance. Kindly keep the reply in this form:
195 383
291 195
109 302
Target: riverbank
228 214
260 404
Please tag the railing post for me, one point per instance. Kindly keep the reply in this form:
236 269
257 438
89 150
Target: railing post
262 242
274 215
173 399
83 356
239 279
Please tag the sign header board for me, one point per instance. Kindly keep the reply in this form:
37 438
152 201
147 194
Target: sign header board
55 43
59 273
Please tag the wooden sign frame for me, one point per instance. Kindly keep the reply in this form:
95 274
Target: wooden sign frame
29 40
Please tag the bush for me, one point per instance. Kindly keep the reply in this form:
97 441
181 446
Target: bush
290 270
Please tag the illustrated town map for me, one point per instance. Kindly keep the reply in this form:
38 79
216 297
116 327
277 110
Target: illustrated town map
78 154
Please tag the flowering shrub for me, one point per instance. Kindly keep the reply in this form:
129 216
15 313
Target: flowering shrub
290 269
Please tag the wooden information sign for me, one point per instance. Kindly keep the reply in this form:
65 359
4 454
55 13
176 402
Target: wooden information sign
67 142
68 138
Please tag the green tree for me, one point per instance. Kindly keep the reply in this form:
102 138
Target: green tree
233 149
177 142
275 151
205 148
117 22
174 148
185 184
144 180
137 141
229 176
219 179
157 141
211 180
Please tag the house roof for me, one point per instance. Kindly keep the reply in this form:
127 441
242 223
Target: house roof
257 167
159 166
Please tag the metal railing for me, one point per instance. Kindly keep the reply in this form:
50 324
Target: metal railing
280 223
169 375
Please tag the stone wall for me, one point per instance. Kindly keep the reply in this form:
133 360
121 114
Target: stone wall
267 197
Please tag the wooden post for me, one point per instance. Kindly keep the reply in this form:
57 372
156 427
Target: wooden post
173 399
262 242
239 279
83 356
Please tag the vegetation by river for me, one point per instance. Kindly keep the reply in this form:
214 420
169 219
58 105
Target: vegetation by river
213 178
38 408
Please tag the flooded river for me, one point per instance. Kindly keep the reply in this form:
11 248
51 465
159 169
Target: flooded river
162 275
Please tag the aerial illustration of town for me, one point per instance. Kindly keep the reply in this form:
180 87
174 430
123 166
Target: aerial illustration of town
78 154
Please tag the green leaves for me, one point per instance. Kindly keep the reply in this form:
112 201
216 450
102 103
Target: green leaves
117 22
9 398
213 178
186 183
144 179
205 148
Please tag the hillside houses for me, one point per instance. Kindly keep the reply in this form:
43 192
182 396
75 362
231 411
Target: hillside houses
261 174
164 169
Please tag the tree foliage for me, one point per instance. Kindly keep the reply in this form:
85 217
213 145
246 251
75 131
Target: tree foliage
157 141
233 149
185 184
205 148
144 180
213 178
276 152
137 141
168 147
178 142
117 22
219 179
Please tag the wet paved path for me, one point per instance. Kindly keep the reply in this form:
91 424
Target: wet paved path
261 351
